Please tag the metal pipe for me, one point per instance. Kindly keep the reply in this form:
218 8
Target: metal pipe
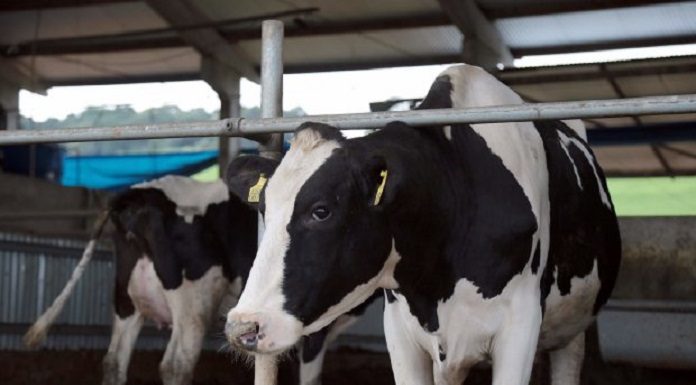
266 366
676 104
48 215
272 83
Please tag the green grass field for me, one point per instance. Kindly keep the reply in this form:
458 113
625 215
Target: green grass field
654 196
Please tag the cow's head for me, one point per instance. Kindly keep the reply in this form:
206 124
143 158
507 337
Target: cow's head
326 245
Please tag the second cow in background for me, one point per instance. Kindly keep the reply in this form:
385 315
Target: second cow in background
183 251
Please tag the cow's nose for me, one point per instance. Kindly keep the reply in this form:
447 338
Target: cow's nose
243 334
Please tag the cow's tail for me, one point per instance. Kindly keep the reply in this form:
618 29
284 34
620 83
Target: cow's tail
37 333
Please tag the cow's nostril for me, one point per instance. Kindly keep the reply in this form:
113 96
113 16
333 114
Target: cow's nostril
247 335
249 340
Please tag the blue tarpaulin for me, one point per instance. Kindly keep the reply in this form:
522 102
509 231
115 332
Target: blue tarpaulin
116 172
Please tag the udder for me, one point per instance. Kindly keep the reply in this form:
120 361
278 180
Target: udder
147 293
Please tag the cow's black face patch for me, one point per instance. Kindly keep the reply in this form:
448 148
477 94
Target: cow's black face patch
338 238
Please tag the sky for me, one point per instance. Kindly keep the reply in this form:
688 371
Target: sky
318 93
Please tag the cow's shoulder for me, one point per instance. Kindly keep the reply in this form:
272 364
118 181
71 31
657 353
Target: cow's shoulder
190 196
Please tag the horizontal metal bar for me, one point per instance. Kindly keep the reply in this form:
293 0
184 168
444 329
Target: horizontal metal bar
60 214
78 330
240 127
651 306
52 251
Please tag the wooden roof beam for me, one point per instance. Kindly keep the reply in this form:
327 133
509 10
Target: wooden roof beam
483 44
208 41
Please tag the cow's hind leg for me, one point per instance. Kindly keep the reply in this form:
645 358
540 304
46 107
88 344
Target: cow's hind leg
123 336
566 362
183 349
193 305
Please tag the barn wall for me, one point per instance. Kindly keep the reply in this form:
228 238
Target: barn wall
24 194
33 271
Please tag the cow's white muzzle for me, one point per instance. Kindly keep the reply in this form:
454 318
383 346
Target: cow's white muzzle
262 332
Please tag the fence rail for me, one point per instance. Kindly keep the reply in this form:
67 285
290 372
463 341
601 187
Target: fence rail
675 104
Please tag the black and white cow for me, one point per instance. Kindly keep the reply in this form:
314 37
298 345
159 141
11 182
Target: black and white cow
492 241
183 249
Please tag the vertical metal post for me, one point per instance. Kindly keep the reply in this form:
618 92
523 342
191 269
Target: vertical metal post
265 366
225 82
229 108
272 83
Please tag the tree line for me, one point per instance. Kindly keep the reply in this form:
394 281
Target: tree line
102 116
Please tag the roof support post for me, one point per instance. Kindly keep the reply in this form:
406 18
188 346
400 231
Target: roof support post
266 366
483 45
225 82
272 83
11 75
9 106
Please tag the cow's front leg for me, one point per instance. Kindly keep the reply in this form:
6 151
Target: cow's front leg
514 346
566 362
410 363
314 348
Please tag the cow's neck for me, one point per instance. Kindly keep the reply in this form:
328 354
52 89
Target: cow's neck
421 217
460 214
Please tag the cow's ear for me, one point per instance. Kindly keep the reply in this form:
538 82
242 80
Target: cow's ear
247 177
382 182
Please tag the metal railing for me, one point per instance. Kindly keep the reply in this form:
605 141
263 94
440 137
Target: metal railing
676 104
272 95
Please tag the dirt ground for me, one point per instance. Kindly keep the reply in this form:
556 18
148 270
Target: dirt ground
342 367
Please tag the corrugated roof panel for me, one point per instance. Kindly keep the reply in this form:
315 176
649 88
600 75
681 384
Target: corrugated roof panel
656 119
658 84
328 9
642 159
115 65
561 92
16 27
627 159
367 46
653 21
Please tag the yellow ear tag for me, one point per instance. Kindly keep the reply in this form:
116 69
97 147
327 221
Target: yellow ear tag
255 190
380 189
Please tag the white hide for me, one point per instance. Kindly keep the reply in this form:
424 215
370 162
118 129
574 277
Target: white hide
193 305
190 196
124 334
146 291
506 327
188 309
262 300
557 328
566 141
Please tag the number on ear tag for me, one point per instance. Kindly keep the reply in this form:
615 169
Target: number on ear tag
255 190
380 189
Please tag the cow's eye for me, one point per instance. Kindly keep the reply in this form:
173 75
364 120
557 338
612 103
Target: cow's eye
321 213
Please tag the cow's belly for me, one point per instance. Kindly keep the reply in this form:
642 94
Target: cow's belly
568 315
468 323
147 293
